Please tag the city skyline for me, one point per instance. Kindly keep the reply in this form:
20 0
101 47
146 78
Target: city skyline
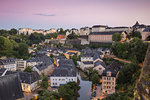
46 14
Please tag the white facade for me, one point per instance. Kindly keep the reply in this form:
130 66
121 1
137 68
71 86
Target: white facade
85 31
98 28
58 81
21 64
25 31
84 66
88 58
11 67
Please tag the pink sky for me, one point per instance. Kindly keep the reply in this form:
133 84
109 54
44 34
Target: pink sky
48 14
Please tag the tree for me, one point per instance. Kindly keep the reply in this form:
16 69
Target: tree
116 37
44 83
136 34
72 36
69 91
28 69
95 78
23 50
13 31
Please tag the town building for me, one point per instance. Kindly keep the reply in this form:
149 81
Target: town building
62 76
45 66
109 78
21 64
99 28
85 31
25 31
29 81
8 63
102 36
64 73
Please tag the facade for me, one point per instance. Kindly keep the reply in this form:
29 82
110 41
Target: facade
108 82
21 64
85 31
8 63
63 73
86 64
102 36
25 31
29 81
99 28
62 76
109 78
99 66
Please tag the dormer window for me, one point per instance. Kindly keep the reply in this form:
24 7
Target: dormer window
108 73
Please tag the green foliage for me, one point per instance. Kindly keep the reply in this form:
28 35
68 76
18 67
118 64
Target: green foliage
54 35
48 95
13 31
94 46
44 83
136 34
69 91
23 51
95 78
28 69
128 74
116 37
62 31
72 36
135 50
51 55
126 80
36 38
75 58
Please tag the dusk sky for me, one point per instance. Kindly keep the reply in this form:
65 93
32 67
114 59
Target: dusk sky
46 14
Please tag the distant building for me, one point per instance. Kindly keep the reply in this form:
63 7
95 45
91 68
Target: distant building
61 37
100 66
8 63
85 31
99 28
102 36
25 31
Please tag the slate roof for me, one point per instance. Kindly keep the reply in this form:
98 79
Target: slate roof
147 29
28 78
113 73
25 77
97 63
7 61
10 87
105 33
97 56
88 62
114 67
99 26
63 72
66 62
46 61
2 70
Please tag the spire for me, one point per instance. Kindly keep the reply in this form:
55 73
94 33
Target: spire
137 23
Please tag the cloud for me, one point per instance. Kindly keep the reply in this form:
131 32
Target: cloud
41 14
